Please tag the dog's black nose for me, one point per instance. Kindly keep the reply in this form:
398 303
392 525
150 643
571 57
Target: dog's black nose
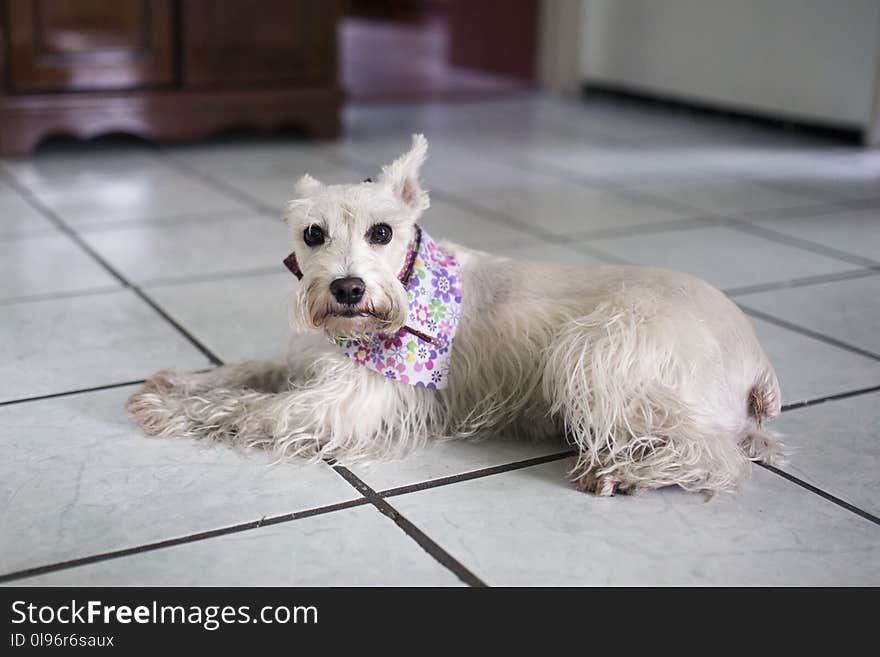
348 291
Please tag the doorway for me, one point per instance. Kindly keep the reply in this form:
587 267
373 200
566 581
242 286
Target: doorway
413 50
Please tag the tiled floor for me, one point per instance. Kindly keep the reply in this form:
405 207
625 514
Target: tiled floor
118 260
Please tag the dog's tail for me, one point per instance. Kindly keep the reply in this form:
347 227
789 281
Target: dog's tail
764 403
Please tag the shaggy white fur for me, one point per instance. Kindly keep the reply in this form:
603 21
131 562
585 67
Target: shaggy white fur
655 377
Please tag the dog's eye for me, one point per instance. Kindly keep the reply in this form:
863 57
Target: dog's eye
380 234
314 235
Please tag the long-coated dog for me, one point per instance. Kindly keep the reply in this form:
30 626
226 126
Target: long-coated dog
654 377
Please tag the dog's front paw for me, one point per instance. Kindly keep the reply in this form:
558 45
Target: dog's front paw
155 407
164 382
587 481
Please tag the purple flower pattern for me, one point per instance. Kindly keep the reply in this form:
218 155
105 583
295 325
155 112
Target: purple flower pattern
434 297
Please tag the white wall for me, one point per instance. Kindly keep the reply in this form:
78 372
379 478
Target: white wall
806 59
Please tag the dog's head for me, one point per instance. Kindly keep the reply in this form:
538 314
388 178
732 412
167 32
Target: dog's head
351 243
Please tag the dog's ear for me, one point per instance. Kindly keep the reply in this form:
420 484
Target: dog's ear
403 175
306 186
295 210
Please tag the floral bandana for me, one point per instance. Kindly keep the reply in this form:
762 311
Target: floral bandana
418 354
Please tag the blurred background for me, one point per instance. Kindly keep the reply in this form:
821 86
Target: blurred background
183 69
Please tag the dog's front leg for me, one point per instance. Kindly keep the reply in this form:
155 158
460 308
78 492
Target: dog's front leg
157 406
347 412
202 403
260 375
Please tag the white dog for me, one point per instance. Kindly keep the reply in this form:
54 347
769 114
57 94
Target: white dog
655 377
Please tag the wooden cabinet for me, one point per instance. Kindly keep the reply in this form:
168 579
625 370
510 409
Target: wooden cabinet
77 45
165 69
220 49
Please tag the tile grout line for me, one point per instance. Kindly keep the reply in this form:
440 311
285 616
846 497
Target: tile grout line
69 393
229 275
796 188
793 406
193 340
826 203
852 508
182 540
349 161
254 272
474 474
53 296
803 281
840 344
164 221
587 249
609 186
17 238
509 221
220 185
416 534
425 485
831 206
156 222
635 230
501 218
621 190
35 203
809 246
602 184
743 225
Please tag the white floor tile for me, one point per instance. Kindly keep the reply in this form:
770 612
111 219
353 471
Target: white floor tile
48 264
85 165
138 196
245 158
853 231
449 221
728 197
845 310
58 345
78 478
621 164
335 549
722 256
17 217
535 197
193 248
446 459
836 446
534 250
238 319
531 527
274 191
563 208
808 368
850 186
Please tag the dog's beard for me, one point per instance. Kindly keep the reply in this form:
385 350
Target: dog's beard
383 311
355 321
